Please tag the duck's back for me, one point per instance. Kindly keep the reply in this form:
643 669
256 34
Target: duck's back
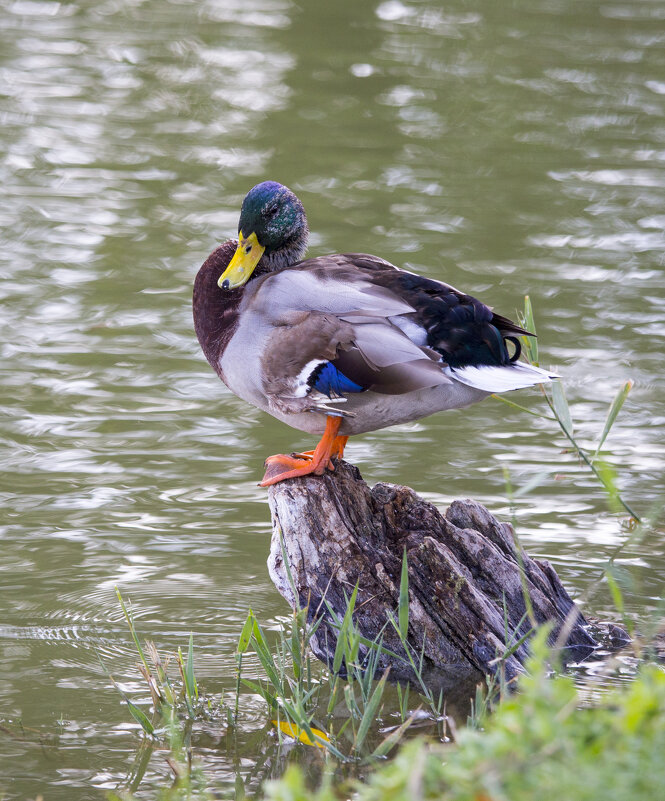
460 328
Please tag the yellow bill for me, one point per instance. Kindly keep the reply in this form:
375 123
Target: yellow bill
247 256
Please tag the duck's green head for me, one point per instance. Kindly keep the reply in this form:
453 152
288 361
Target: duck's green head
272 230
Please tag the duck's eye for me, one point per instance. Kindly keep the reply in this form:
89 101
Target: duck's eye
271 212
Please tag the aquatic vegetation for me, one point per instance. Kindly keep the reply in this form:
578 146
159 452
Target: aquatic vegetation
544 738
555 397
541 742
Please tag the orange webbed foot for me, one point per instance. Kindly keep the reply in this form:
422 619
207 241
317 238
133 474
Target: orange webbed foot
281 466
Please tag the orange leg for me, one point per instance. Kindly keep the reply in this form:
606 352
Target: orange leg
338 447
337 452
281 467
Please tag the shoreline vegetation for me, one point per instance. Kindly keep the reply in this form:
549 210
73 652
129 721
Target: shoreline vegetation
542 734
536 736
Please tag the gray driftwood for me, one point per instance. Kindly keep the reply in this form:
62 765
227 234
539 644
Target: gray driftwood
464 573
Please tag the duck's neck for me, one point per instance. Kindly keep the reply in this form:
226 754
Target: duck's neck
289 252
215 310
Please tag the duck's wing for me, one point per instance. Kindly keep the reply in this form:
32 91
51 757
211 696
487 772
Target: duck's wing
460 327
471 340
353 322
331 334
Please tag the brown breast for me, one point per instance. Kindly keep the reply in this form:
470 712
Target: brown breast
215 310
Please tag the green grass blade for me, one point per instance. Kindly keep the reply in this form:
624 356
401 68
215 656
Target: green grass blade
132 629
535 481
265 657
403 697
335 624
162 682
403 610
615 408
514 647
296 647
615 590
257 634
561 408
272 673
371 712
509 637
530 323
395 736
332 699
185 687
140 717
343 634
527 320
267 696
608 477
138 714
192 686
352 646
246 633
523 408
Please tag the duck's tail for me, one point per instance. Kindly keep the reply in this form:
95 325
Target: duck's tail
490 378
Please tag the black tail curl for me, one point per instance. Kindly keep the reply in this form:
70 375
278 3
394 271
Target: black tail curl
518 348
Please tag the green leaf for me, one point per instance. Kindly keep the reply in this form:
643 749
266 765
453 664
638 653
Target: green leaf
140 717
371 712
295 647
523 408
608 478
403 696
373 644
615 408
514 647
192 687
257 633
393 738
379 647
530 343
246 633
188 697
403 610
535 481
268 664
267 696
561 408
347 623
132 629
617 595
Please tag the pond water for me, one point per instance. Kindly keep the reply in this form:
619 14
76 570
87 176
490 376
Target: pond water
504 148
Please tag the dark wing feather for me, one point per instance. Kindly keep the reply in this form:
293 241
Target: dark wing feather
461 328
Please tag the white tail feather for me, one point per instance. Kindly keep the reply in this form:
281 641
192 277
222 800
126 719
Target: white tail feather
501 379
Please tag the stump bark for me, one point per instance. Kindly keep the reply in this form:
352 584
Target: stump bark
465 587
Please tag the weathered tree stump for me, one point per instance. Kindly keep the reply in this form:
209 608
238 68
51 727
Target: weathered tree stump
465 588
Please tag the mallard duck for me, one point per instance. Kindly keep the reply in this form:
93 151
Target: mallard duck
344 344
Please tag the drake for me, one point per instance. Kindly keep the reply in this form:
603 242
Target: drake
344 344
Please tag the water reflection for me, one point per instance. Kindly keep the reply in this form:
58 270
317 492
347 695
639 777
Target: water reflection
503 150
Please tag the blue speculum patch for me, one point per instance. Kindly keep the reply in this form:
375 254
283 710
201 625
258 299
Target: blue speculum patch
328 380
